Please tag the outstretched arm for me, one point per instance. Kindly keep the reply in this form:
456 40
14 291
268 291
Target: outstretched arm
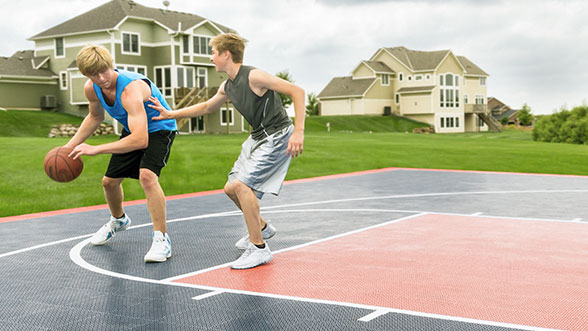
203 108
261 81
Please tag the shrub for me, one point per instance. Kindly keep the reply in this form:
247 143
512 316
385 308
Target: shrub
564 126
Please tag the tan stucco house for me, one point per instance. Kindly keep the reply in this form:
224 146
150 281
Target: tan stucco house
435 87
169 47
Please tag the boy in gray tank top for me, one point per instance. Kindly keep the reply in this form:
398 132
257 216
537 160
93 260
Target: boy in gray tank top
266 154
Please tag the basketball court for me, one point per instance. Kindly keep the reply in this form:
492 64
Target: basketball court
389 249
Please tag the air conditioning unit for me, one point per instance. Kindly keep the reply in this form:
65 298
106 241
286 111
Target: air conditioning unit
48 102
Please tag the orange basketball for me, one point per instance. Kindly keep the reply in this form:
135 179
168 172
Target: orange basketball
60 167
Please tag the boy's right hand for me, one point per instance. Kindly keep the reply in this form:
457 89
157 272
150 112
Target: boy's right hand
163 112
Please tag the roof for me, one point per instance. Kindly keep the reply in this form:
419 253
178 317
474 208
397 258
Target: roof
471 68
379 67
23 63
346 86
422 60
416 89
110 14
507 114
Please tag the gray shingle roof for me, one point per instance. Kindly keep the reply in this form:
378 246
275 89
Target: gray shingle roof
379 67
21 63
420 60
471 68
110 14
416 89
346 86
507 113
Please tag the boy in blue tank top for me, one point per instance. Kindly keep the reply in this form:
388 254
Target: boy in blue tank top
142 150
266 154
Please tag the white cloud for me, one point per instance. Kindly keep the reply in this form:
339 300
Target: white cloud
534 51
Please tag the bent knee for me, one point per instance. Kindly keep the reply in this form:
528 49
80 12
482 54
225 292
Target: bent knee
148 178
109 183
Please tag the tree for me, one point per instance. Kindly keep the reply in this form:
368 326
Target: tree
504 120
524 116
286 99
311 104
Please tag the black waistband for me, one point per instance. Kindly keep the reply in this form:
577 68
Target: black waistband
262 133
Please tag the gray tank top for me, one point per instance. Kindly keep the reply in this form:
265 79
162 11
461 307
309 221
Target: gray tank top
265 114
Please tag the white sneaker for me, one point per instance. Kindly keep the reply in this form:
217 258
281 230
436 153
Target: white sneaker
160 248
253 257
106 232
266 234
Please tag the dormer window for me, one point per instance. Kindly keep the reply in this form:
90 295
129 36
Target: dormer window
130 43
201 46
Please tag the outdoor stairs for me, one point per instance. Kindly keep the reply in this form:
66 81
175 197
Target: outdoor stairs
188 97
492 123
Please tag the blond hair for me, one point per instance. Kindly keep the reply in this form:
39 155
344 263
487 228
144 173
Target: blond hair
229 42
93 59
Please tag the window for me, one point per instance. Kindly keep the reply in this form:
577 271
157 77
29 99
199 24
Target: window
130 43
197 124
418 77
449 90
409 77
224 116
479 99
163 80
138 69
400 76
201 45
385 80
185 77
397 98
186 45
449 122
202 77
59 49
63 80
482 80
427 77
465 99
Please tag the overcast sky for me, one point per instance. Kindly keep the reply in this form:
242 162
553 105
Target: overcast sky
535 51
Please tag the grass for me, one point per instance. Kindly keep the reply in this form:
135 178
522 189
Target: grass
201 162
20 123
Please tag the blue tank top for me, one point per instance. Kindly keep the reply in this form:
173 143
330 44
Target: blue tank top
120 114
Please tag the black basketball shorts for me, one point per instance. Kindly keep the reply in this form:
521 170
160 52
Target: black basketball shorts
154 157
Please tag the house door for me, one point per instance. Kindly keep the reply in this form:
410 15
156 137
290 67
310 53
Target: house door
197 124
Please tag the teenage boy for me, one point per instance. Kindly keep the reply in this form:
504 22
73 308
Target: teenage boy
266 154
142 150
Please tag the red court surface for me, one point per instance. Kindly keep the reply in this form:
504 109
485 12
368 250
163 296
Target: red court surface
524 272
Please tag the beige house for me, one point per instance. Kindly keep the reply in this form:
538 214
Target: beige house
438 87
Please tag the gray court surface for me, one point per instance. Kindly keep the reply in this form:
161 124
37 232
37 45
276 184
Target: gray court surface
44 288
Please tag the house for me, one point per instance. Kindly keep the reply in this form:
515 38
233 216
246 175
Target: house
436 87
499 111
169 47
25 80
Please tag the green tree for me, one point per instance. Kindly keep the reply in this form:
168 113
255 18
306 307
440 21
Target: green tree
525 117
504 120
286 99
311 104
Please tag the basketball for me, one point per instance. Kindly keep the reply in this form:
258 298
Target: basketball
60 167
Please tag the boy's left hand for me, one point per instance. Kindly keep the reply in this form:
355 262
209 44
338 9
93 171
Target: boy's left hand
295 144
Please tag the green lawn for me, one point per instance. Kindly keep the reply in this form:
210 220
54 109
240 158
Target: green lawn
19 123
201 162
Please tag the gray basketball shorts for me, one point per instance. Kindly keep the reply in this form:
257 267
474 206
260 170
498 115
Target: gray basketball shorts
263 164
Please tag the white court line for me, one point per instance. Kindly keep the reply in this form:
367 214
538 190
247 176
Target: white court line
373 315
477 214
207 295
